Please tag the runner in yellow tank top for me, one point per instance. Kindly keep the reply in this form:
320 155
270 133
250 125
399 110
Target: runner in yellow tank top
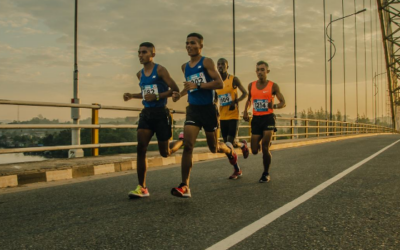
228 100
261 95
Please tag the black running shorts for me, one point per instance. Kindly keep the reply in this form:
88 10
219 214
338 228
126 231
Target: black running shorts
202 116
229 128
157 120
260 123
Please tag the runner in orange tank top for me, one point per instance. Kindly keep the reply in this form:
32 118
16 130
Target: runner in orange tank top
261 96
228 101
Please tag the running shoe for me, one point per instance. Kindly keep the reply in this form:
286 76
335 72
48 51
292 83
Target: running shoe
139 192
245 149
235 175
232 161
265 178
182 191
181 136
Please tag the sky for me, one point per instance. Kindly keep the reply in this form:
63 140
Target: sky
37 52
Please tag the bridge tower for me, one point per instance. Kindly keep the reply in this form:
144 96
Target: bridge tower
389 15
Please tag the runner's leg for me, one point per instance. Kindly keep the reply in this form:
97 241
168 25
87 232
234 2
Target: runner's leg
143 137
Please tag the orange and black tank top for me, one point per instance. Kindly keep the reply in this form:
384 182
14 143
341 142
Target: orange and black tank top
261 97
226 96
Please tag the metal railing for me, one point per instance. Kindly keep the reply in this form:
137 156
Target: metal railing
288 128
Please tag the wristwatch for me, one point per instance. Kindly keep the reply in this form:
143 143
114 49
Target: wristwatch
157 97
198 85
275 106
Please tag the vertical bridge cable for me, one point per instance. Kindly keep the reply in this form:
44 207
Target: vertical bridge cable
326 79
295 61
234 38
356 55
344 67
365 66
372 61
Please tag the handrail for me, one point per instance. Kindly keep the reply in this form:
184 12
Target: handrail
73 105
322 127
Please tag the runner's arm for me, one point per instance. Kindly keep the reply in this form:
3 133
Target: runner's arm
237 83
280 97
164 74
212 71
184 90
247 106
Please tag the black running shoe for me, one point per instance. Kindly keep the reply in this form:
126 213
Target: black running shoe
265 178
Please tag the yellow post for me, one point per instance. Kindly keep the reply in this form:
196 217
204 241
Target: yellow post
306 123
292 128
95 131
327 128
318 128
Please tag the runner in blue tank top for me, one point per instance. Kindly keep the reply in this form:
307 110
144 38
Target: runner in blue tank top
156 86
202 78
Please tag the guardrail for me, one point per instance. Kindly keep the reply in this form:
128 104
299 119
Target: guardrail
287 127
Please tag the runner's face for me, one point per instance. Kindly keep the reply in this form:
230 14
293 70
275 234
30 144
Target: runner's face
193 46
222 66
145 55
262 71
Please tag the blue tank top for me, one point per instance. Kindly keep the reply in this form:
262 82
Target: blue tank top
153 84
199 74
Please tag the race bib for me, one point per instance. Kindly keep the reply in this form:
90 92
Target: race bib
260 105
149 89
196 78
225 100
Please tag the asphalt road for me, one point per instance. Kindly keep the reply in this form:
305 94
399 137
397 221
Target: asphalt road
359 211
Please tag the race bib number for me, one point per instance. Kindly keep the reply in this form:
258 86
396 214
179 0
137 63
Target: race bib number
260 105
225 100
196 78
149 89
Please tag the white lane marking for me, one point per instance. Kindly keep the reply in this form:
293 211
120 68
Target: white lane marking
264 221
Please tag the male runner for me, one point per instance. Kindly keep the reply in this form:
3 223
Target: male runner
261 96
202 79
229 110
156 85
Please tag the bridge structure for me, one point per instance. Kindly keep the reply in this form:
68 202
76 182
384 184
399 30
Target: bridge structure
389 16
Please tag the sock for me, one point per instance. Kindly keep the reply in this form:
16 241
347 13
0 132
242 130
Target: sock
230 155
265 173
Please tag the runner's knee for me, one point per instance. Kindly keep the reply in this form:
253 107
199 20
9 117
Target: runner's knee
188 146
213 149
164 154
141 149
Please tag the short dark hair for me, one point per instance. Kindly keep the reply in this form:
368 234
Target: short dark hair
148 45
199 36
223 59
263 62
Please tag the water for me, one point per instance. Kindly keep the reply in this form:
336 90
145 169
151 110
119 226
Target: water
19 157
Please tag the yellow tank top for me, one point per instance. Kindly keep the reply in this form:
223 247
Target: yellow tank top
225 97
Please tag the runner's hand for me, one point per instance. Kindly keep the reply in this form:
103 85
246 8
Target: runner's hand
150 97
270 105
175 96
232 106
189 85
246 116
127 97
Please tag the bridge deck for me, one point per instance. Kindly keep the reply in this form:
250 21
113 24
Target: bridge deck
358 211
